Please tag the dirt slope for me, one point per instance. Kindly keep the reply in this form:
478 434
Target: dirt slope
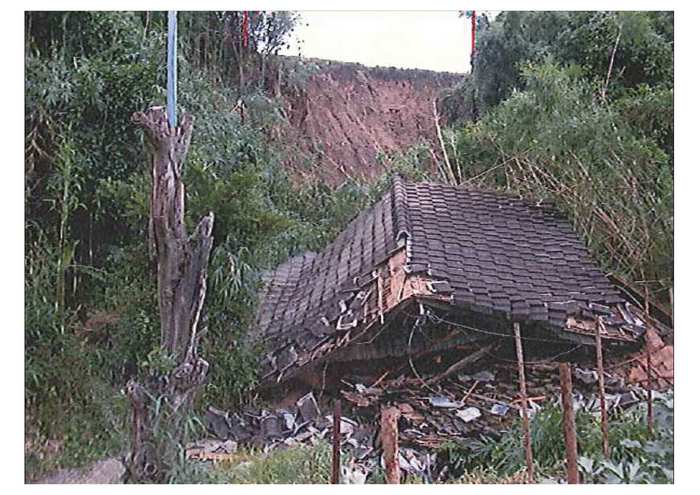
349 114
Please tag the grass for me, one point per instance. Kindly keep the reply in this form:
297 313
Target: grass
88 434
294 465
636 456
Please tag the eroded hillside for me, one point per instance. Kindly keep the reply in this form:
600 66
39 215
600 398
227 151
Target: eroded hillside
349 115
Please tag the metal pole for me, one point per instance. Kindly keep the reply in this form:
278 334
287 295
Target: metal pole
172 68
335 474
527 442
569 421
601 389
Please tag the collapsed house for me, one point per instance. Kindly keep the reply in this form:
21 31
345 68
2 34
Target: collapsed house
414 305
433 268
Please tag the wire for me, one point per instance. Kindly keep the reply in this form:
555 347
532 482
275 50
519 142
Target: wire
432 316
546 360
416 324
543 361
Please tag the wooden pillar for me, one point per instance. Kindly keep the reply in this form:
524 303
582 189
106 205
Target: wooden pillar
389 436
601 389
527 441
569 420
647 348
335 473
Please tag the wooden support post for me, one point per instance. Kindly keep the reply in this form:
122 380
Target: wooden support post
670 300
389 436
569 421
335 474
601 388
527 441
650 398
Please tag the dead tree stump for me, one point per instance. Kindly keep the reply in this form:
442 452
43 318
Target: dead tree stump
160 405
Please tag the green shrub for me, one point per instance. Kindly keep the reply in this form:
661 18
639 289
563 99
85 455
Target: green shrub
636 456
555 140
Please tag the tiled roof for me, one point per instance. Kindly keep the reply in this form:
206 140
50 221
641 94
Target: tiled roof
307 288
502 254
499 255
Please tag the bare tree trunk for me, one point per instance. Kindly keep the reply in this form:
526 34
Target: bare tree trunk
161 405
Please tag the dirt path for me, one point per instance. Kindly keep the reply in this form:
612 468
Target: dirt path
106 471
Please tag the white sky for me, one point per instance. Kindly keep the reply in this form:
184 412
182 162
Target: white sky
434 40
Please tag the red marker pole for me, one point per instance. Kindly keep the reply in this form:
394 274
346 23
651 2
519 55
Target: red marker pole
245 29
473 32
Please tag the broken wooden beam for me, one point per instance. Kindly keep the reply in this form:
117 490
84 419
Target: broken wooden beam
461 364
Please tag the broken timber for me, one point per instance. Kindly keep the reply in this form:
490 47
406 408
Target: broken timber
461 364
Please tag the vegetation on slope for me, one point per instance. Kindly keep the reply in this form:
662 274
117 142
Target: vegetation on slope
577 108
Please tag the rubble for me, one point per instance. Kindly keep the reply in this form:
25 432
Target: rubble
469 414
211 450
308 408
462 408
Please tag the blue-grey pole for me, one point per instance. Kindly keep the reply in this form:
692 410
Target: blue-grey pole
172 68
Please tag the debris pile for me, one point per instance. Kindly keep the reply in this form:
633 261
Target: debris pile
461 408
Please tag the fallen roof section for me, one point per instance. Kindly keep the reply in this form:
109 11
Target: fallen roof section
473 256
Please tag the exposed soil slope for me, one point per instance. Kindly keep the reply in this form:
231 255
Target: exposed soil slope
348 115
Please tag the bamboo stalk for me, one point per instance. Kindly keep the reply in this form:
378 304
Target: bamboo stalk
449 172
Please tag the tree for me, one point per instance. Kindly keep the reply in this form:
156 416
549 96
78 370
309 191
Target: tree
618 50
161 406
